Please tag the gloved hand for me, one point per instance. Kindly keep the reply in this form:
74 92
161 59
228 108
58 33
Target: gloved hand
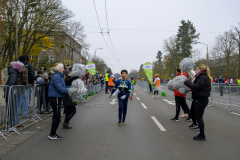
110 96
130 91
123 97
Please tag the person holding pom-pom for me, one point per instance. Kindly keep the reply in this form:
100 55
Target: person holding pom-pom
56 92
201 87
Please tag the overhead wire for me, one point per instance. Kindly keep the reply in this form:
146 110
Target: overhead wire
109 33
101 30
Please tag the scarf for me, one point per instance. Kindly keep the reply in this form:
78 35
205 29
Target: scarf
197 74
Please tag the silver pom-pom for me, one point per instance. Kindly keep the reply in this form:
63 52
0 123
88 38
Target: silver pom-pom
187 64
77 91
170 85
178 84
78 70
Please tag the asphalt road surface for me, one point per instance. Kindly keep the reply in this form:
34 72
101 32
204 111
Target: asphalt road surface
148 134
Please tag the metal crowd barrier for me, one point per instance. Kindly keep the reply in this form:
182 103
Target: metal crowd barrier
222 95
18 104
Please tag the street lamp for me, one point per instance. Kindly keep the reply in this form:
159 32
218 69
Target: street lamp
16 36
207 52
96 50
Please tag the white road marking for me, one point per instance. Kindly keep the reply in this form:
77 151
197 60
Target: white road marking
235 113
158 124
137 98
134 94
113 101
169 102
144 106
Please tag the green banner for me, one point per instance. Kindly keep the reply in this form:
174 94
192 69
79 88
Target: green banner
91 68
149 71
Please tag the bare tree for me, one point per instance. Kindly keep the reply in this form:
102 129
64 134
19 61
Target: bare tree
35 21
235 32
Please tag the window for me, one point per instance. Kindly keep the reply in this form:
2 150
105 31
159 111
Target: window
51 58
52 49
52 37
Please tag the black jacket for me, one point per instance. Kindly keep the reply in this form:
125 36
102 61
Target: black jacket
12 80
67 101
46 84
31 73
201 87
13 77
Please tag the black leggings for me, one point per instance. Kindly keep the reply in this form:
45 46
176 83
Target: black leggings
192 110
181 102
156 92
70 112
56 107
200 108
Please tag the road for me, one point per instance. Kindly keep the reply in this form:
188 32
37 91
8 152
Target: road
148 134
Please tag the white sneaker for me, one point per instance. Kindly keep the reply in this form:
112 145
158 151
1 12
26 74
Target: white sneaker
158 96
184 115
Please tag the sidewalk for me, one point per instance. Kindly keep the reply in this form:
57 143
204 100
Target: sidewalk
25 133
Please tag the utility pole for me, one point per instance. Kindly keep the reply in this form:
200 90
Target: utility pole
16 36
207 57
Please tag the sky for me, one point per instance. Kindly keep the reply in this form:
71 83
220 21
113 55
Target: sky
133 48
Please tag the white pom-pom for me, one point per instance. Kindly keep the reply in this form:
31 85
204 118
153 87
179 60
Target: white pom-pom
178 84
170 85
78 70
191 73
77 91
187 64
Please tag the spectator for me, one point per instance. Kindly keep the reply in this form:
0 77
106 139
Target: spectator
31 72
23 98
13 80
231 81
46 85
56 93
40 82
69 105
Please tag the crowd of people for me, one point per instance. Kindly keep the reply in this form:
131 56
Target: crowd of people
226 80
51 88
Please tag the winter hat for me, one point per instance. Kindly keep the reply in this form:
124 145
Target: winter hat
27 57
40 72
45 75
17 66
58 67
66 73
22 59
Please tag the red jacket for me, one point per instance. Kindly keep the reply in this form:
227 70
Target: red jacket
176 93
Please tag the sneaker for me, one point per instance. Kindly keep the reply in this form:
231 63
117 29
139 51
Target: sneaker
195 128
123 123
192 126
20 125
188 119
199 138
51 137
158 96
66 126
119 124
130 98
153 97
174 120
184 115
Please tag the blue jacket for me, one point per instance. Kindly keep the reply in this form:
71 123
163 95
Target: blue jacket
57 87
124 89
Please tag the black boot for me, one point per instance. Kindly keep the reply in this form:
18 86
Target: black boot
66 126
199 138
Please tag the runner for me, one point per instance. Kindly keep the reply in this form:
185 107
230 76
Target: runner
133 83
124 87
